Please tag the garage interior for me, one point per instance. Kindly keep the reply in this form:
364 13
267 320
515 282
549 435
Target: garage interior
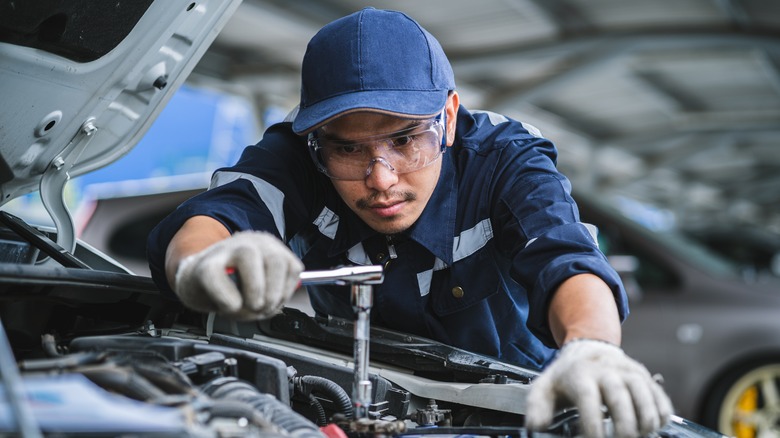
674 104
667 110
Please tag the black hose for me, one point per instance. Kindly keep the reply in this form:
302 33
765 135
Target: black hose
315 404
123 381
240 409
169 379
49 344
71 361
276 412
313 384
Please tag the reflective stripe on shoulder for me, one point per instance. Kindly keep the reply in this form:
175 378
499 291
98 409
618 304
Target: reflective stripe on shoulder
472 240
593 231
495 118
272 197
533 130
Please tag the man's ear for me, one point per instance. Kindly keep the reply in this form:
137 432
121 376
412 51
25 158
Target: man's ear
453 102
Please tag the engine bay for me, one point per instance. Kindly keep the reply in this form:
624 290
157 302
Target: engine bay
99 352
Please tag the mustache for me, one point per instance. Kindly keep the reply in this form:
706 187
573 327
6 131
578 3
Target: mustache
365 203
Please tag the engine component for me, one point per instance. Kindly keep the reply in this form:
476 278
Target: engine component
431 415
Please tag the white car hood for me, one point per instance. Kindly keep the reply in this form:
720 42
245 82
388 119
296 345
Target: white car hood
77 96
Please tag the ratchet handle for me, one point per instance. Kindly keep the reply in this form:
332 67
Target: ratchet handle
339 276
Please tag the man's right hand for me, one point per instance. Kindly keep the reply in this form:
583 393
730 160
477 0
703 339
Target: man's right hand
267 270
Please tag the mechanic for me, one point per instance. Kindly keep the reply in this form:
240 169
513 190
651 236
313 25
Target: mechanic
477 231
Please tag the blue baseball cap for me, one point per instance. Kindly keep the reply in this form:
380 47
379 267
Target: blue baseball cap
372 60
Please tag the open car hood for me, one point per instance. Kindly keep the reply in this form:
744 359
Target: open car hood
82 81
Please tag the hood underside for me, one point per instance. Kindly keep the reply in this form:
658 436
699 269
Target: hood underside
83 81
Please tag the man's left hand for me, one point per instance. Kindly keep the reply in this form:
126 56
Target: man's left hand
591 374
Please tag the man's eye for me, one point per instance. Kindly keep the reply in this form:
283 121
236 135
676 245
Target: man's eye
402 141
348 149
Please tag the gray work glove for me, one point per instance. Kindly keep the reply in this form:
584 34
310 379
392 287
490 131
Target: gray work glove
267 275
590 374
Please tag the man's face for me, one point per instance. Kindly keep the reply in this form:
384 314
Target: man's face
387 201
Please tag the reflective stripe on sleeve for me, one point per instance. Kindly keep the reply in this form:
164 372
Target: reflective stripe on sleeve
272 197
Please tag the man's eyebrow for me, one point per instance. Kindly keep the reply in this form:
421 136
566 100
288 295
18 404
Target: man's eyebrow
411 124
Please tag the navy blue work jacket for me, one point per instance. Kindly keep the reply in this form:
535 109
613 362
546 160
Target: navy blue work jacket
476 271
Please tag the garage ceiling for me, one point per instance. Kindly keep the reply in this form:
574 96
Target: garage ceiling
675 103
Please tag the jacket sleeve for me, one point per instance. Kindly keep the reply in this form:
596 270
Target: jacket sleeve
540 230
271 188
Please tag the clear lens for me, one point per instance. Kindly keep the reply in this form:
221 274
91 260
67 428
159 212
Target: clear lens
405 151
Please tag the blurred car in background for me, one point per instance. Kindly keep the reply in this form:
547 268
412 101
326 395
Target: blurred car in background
756 251
713 335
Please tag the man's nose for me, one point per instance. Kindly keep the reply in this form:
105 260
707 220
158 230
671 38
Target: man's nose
380 174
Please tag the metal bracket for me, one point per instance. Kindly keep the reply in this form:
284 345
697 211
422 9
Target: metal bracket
53 182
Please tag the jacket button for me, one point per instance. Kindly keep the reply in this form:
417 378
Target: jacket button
457 292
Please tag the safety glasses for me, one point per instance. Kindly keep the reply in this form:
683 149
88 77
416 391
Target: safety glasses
403 151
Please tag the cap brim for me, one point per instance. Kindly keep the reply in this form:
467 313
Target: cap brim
399 103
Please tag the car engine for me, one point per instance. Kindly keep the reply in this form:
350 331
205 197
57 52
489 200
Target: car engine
89 350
